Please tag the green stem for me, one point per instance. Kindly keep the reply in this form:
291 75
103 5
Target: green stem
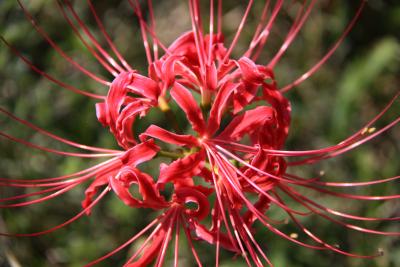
170 154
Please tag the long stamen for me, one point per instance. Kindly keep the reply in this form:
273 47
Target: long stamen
239 30
325 244
345 184
270 175
55 151
42 199
80 214
59 50
105 64
68 176
190 241
219 15
55 137
250 235
219 197
153 27
47 76
238 239
143 24
257 35
231 181
93 39
124 245
107 37
348 147
164 246
211 31
148 29
155 231
197 35
317 66
261 218
302 199
239 225
292 34
51 182
41 192
176 247
265 33
349 196
217 245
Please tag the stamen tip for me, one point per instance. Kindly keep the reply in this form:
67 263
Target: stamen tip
368 130
381 252
294 235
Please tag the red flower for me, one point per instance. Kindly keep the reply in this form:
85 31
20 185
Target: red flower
233 150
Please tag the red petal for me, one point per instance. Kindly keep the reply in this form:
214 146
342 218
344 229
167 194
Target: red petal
102 114
243 96
219 105
185 46
168 70
211 77
247 123
125 122
253 73
188 104
183 168
168 137
283 110
140 153
144 86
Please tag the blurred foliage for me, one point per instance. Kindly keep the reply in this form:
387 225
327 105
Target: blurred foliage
343 95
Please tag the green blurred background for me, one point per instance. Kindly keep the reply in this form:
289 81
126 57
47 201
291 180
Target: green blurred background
355 84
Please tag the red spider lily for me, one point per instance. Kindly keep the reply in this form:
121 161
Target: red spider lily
239 127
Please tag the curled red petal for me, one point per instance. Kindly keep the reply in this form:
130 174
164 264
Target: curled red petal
116 94
100 181
128 176
191 195
124 123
